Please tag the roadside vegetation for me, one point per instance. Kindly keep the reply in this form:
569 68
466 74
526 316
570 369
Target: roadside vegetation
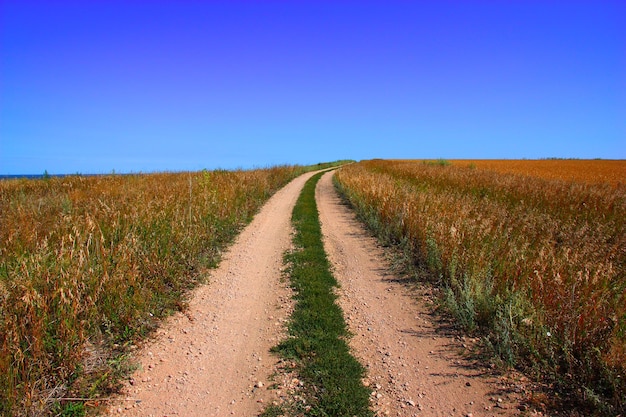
89 265
536 265
318 334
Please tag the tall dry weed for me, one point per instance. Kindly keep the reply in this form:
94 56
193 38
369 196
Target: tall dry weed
87 264
540 263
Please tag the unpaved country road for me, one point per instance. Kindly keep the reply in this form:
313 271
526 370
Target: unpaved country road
209 361
413 364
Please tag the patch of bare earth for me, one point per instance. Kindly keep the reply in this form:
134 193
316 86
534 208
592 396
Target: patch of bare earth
214 360
416 364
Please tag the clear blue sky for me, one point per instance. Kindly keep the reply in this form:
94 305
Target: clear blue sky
93 86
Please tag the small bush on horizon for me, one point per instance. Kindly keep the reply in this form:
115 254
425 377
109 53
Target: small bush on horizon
439 162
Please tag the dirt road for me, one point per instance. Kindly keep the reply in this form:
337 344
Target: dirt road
215 360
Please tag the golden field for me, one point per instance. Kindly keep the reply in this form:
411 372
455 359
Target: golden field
527 254
88 265
596 171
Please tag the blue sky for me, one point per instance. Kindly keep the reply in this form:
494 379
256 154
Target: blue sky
101 85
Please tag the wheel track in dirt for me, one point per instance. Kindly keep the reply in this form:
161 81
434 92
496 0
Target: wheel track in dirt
414 361
210 360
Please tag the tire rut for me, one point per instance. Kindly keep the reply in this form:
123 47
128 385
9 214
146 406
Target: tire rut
415 362
214 360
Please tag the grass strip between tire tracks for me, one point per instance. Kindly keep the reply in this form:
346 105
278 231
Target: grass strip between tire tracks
318 332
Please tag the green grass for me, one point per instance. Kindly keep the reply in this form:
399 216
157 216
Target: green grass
318 332
325 165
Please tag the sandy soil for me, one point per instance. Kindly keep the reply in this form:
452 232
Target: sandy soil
214 360
415 361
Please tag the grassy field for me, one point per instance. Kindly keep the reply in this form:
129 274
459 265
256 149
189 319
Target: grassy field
595 171
527 254
88 265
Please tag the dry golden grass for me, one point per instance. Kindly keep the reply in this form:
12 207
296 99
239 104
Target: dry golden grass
595 171
87 265
540 263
